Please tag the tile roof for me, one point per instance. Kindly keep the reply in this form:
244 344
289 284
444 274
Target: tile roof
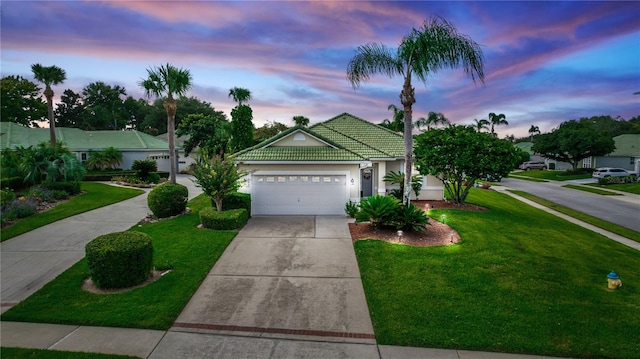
626 145
13 135
354 139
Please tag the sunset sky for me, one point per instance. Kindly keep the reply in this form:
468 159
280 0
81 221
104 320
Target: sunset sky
545 62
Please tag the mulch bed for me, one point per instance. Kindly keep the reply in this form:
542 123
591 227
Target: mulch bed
436 233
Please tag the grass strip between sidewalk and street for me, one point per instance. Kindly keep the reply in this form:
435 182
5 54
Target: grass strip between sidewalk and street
96 195
591 190
178 245
551 175
624 187
523 178
608 226
520 281
22 353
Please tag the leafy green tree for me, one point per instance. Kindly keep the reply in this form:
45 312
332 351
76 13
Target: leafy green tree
574 141
458 156
217 177
434 46
49 75
135 111
207 132
613 126
268 130
70 111
104 107
241 120
397 124
433 120
169 80
301 121
480 125
155 117
497 120
20 102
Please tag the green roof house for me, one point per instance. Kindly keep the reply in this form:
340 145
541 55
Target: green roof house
316 170
626 155
134 145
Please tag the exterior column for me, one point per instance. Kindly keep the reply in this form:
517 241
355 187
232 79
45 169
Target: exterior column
380 184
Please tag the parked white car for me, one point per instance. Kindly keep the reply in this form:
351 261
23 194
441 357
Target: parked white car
605 172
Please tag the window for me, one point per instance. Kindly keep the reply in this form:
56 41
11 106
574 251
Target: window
83 156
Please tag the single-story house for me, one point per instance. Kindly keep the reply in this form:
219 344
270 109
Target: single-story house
551 164
134 145
626 155
317 170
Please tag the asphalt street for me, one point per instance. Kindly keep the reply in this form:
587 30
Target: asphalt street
622 210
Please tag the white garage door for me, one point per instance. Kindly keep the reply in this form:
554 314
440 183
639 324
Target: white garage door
298 194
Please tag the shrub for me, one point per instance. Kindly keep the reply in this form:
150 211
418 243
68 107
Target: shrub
231 219
410 218
40 193
59 194
21 207
6 197
168 199
71 187
351 209
15 183
236 200
154 177
120 260
144 168
378 210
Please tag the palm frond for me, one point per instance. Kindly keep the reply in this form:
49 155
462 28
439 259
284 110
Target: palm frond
371 59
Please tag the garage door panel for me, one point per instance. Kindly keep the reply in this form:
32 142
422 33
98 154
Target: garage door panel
299 194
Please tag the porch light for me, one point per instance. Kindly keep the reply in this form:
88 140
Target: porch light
613 281
352 182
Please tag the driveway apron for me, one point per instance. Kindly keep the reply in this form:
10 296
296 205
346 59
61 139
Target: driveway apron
292 277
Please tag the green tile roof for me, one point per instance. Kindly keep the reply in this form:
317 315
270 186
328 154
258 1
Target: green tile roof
353 139
627 145
14 135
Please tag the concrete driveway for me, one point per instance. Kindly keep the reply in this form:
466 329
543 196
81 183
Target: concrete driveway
284 277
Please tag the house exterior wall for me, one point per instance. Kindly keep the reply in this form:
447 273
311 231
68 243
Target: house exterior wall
626 162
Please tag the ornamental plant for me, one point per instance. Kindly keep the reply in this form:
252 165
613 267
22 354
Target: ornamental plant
217 177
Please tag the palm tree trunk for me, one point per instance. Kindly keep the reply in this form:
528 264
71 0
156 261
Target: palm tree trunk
407 99
170 106
48 93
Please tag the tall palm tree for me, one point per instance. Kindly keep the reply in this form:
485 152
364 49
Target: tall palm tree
533 130
481 124
433 119
497 120
434 46
397 124
301 121
169 80
240 95
49 75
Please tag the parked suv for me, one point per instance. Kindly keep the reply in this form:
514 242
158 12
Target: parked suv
533 165
611 172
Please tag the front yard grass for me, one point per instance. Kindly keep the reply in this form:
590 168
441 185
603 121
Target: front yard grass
177 245
551 175
521 281
21 353
624 187
97 195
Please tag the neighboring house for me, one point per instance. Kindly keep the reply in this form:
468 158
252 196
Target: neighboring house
626 154
134 145
551 164
316 170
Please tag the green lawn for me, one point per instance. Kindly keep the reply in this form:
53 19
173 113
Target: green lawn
531 179
20 353
626 187
550 175
521 281
178 245
97 195
592 190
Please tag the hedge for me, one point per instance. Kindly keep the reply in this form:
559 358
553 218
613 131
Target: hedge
236 200
168 199
231 219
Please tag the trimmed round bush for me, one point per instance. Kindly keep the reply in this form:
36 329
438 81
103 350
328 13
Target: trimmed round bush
168 199
120 259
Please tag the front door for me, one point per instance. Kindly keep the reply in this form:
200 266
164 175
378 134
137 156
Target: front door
366 182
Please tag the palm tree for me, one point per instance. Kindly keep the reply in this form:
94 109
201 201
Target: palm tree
240 95
434 46
497 120
301 121
49 75
480 125
397 124
172 81
433 119
533 130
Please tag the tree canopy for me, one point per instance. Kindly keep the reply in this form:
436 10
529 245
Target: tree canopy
268 130
574 141
21 102
210 133
241 120
459 155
